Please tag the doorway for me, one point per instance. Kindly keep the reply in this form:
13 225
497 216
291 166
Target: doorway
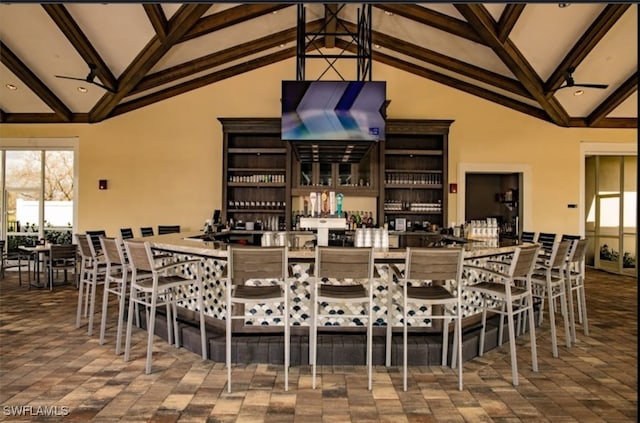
611 212
495 195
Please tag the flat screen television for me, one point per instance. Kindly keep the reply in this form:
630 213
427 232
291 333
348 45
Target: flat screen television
333 110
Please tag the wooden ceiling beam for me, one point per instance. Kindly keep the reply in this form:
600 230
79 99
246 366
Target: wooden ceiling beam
157 18
616 98
196 83
480 19
180 23
452 82
508 20
446 62
63 19
220 58
432 18
592 36
15 65
230 17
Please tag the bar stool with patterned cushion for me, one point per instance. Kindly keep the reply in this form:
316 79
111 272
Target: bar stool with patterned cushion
267 268
352 272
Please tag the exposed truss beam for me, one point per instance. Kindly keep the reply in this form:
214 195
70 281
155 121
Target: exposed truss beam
179 24
206 80
15 65
432 18
229 17
480 19
623 92
461 85
446 62
220 58
508 20
592 36
157 18
81 43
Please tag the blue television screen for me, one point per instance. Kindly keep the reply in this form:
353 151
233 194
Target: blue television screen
333 110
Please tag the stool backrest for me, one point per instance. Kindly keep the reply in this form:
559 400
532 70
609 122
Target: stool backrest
546 240
578 251
139 255
110 250
528 237
83 246
559 254
146 231
168 229
344 263
434 264
524 260
126 233
246 263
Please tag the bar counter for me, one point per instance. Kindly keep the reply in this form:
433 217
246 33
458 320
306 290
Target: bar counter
257 319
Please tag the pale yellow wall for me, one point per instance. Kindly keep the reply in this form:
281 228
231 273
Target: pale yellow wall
163 162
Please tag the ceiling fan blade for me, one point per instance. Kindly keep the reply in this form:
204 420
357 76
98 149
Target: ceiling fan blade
71 77
599 86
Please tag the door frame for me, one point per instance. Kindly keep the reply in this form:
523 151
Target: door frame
521 168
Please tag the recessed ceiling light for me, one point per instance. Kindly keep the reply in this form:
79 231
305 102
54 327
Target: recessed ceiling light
377 46
282 45
563 5
82 89
578 92
386 12
11 87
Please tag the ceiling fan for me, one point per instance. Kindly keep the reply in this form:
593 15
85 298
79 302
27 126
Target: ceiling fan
570 83
89 78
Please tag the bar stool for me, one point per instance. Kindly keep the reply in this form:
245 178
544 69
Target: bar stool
529 237
116 283
268 265
436 266
353 269
512 295
146 231
548 281
92 273
168 229
575 282
126 233
158 290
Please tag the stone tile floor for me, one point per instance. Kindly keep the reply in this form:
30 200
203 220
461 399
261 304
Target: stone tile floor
47 366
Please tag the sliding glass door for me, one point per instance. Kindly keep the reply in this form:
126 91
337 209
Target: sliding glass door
38 196
611 194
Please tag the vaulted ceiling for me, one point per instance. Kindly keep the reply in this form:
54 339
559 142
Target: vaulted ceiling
517 55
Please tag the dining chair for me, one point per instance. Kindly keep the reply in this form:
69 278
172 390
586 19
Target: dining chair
61 257
432 278
92 273
146 231
168 229
126 233
548 281
14 259
267 266
508 294
158 290
575 283
342 275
